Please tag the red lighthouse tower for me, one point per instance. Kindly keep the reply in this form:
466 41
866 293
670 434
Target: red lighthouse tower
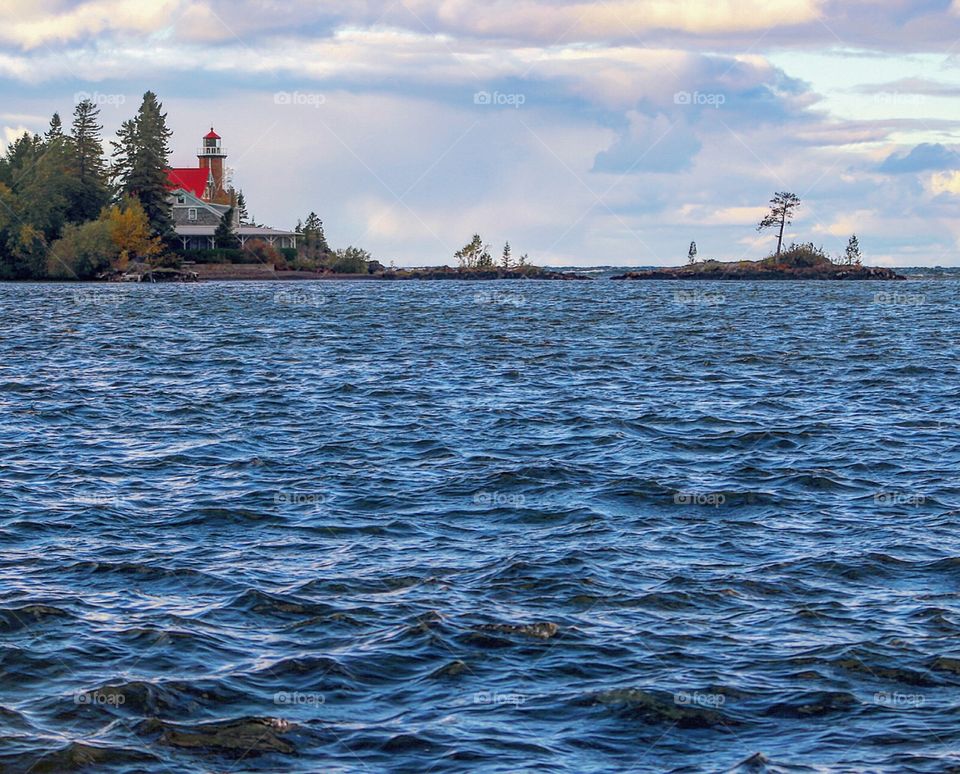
211 157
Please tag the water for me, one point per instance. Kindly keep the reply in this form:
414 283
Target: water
497 527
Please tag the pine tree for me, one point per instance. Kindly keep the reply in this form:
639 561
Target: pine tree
314 239
224 236
141 160
55 131
783 206
692 254
506 261
88 162
242 210
853 254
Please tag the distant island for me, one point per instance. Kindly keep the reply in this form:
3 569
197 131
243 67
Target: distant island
797 262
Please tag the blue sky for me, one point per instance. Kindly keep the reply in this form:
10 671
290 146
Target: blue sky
584 132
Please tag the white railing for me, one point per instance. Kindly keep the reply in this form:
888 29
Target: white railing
212 152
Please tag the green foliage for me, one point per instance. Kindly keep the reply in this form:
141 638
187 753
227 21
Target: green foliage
312 242
692 254
242 213
353 260
212 256
783 206
474 255
225 235
27 254
802 256
89 166
83 252
852 255
506 260
141 153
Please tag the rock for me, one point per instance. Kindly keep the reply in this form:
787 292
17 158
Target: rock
242 736
541 631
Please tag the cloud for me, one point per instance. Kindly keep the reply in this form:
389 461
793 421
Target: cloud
922 158
945 183
656 144
30 23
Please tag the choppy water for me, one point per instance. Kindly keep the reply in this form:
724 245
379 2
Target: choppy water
458 527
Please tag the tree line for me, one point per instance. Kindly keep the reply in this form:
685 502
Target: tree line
68 211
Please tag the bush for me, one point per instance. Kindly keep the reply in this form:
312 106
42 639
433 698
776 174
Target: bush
211 256
353 260
804 256
258 251
82 252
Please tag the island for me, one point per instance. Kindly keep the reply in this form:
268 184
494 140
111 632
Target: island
803 266
802 261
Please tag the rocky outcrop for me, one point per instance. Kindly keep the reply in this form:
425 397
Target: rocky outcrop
755 271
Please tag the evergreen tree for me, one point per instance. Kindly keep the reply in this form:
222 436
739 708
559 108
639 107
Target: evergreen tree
783 206
141 160
56 128
242 210
853 254
224 236
506 261
312 242
88 163
312 231
692 254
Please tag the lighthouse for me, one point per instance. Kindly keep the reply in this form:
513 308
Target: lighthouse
212 156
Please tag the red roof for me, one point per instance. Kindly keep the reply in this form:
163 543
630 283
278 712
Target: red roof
193 179
212 136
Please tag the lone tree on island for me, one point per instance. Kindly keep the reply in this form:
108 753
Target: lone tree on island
853 255
783 206
692 254
506 261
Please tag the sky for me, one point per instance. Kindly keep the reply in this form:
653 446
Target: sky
585 133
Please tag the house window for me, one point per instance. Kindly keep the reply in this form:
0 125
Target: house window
192 213
181 199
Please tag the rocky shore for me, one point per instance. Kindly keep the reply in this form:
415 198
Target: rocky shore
755 271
